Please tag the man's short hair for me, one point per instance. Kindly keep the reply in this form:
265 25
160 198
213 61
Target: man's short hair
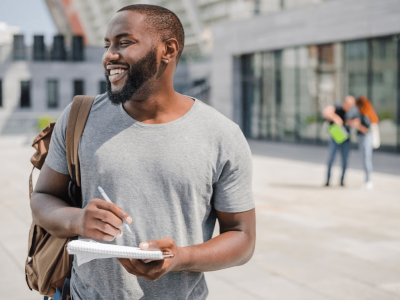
163 21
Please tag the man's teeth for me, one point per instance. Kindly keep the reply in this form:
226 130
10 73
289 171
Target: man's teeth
116 71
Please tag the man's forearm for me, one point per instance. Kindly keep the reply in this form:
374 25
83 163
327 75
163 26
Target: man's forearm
333 117
229 249
54 215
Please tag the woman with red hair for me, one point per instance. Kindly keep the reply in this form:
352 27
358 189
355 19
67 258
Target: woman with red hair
367 118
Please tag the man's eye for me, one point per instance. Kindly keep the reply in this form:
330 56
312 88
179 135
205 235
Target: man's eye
125 43
106 46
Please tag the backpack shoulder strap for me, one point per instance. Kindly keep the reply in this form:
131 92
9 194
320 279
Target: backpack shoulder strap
78 116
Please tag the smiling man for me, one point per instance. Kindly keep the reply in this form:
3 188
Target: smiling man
171 164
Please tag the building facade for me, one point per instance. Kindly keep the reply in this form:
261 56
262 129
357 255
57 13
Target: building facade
275 74
91 17
41 80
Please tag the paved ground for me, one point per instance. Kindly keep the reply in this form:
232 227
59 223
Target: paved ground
313 243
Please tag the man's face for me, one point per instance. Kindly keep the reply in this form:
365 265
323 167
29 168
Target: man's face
349 102
130 59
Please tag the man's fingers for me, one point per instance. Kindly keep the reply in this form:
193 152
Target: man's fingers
126 263
114 209
107 228
101 236
109 217
162 244
135 266
138 268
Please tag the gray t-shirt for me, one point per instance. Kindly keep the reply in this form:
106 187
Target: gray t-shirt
169 177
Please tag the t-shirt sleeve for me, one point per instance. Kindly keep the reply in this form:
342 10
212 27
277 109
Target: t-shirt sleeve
353 113
57 158
365 121
233 191
337 107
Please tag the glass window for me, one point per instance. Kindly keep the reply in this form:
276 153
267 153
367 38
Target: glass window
284 92
384 87
25 99
278 92
252 121
356 67
256 105
78 87
327 86
287 107
1 93
306 62
268 121
52 93
19 50
102 86
317 86
247 92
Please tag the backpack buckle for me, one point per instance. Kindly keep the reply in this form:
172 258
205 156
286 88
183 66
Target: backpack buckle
72 192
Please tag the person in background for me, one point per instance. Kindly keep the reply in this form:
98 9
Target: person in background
345 114
367 116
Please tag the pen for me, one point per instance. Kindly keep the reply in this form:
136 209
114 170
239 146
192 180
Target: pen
103 193
165 256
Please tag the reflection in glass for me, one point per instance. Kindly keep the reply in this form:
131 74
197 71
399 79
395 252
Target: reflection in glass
384 87
78 87
1 93
284 92
268 127
288 101
25 98
356 57
52 93
247 92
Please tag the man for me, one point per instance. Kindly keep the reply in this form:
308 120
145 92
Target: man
171 164
345 114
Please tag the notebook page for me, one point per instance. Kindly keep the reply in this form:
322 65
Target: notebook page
87 250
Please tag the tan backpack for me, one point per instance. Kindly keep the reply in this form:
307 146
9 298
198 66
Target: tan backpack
48 263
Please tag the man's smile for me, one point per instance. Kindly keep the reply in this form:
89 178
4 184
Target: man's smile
116 72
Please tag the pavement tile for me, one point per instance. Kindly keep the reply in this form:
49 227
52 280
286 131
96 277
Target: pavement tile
222 289
313 243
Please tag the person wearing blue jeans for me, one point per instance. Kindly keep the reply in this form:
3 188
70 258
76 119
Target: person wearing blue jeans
365 141
365 147
347 115
344 151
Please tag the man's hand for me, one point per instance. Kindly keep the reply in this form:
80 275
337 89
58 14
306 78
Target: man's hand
155 269
329 113
101 220
338 120
354 123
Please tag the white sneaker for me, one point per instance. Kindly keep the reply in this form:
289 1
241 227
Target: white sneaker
369 185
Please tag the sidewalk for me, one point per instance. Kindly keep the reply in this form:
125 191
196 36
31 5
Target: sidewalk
383 162
313 243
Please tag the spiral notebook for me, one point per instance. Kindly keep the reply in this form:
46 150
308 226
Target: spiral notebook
87 250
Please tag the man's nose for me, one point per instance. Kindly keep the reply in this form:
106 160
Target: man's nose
111 55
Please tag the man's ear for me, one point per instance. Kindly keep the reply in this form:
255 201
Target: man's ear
171 50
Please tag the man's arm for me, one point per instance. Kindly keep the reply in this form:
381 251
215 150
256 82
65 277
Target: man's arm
99 220
233 247
330 115
356 123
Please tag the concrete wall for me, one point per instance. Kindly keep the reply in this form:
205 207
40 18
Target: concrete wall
14 119
12 72
187 73
335 20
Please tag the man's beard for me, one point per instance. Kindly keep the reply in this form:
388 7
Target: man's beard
138 74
